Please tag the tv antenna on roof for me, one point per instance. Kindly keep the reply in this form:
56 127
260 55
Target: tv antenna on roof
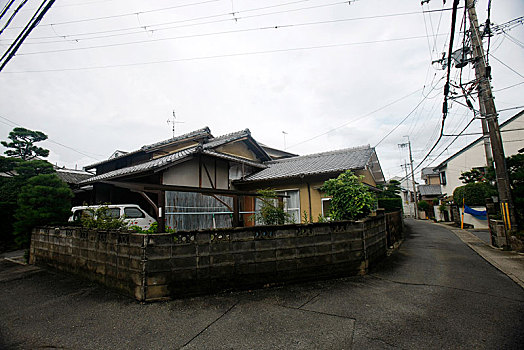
174 121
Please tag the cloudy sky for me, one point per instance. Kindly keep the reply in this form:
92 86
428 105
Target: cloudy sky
102 75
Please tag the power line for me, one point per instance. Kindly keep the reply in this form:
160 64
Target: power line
13 16
11 123
356 119
148 28
193 4
127 14
508 67
509 87
273 27
402 121
6 8
37 17
220 56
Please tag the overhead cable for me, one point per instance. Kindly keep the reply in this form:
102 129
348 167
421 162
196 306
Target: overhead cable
12 16
37 17
219 56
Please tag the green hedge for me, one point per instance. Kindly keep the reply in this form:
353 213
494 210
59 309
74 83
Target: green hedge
390 204
474 194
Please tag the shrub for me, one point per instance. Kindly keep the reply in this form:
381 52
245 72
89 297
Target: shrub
474 194
423 205
100 219
272 211
351 199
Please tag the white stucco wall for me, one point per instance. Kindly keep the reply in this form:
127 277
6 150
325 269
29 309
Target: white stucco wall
475 156
186 174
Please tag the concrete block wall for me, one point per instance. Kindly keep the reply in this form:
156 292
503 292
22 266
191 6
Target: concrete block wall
158 266
112 258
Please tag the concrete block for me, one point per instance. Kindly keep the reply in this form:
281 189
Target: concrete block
218 259
245 269
202 261
266 267
202 238
154 279
159 251
242 236
244 257
220 272
219 247
286 265
305 251
184 249
265 244
285 254
265 255
182 262
283 243
242 246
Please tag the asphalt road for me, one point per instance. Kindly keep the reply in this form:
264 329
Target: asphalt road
433 293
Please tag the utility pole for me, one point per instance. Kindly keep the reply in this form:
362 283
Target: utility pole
489 113
405 167
402 145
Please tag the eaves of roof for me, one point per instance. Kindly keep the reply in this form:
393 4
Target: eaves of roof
233 158
151 165
203 132
234 136
445 162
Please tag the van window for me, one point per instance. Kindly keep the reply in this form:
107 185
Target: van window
77 216
113 212
133 213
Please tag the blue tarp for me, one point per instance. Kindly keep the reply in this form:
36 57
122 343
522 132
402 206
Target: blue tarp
478 214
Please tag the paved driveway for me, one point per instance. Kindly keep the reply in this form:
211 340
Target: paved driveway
433 293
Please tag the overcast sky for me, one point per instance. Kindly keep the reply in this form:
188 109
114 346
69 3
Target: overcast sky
329 74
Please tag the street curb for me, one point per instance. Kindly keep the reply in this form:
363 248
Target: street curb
474 242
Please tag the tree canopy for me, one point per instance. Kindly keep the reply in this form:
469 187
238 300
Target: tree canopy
44 200
22 144
351 199
472 176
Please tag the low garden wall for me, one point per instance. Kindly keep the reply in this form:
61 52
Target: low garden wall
158 266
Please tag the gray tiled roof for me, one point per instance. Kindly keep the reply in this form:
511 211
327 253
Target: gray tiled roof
319 163
234 159
429 190
429 171
200 132
71 176
222 140
150 165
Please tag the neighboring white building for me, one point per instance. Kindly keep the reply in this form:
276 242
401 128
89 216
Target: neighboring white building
408 198
473 155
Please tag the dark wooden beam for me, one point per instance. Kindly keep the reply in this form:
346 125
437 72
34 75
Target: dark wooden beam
155 188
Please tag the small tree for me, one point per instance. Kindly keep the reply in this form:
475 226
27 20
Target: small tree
351 199
44 200
272 211
423 205
22 144
472 176
390 190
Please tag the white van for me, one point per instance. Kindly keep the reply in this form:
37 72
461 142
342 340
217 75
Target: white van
132 214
